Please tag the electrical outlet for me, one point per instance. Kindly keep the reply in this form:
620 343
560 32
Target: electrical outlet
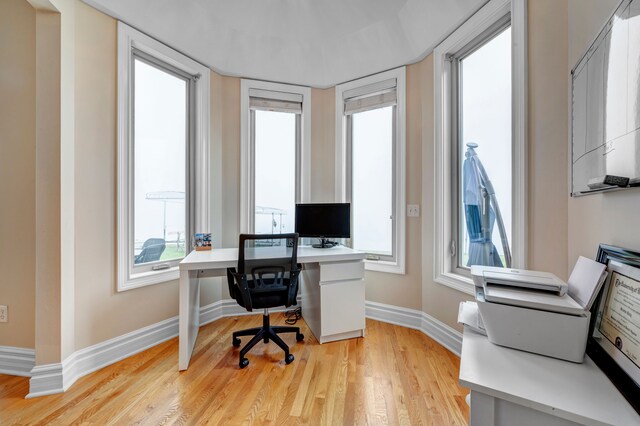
413 210
4 313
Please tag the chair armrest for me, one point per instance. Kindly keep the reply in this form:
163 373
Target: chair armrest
231 282
294 276
239 288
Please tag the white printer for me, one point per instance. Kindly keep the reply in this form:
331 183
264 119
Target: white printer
531 311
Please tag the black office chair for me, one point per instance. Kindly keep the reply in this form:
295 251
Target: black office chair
152 249
266 277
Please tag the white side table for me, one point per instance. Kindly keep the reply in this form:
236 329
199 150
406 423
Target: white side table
512 387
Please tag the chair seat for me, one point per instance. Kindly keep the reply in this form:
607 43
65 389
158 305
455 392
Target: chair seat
268 300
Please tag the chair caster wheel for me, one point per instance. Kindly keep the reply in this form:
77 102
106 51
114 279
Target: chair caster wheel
289 359
299 337
243 363
236 342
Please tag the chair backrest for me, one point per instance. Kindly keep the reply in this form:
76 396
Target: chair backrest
267 263
255 250
152 249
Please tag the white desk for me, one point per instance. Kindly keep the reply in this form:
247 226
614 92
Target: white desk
512 387
331 285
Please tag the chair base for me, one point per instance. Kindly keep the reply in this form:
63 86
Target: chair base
265 333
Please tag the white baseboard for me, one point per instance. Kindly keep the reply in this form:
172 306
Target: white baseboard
46 380
57 378
230 308
448 337
405 317
213 311
17 361
93 358
418 320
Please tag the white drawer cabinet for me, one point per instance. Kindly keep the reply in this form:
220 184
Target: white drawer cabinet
333 299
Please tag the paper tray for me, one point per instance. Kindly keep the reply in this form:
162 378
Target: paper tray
541 332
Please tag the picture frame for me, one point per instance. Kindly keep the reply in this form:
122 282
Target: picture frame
611 345
202 241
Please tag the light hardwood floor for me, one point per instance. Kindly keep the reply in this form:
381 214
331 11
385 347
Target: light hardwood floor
393 376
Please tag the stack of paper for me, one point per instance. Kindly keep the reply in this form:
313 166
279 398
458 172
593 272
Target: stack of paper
469 315
585 281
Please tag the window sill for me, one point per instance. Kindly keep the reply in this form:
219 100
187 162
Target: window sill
143 279
382 266
457 282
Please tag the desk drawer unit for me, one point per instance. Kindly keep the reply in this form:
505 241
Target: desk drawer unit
333 300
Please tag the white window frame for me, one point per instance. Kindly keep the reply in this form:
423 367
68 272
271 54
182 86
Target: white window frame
247 150
485 18
399 184
130 277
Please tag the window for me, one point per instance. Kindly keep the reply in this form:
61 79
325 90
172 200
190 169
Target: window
480 189
482 143
162 189
275 140
275 155
370 166
161 138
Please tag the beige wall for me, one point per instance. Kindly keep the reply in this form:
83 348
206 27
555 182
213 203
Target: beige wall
323 144
610 218
101 312
586 19
548 77
438 301
230 122
17 171
211 288
406 290
225 142
67 236
48 307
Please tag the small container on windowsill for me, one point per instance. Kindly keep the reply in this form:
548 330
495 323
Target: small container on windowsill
202 242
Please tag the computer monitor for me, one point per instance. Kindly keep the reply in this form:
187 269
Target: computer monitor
324 221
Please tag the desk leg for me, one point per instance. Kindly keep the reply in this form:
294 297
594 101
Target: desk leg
189 316
482 410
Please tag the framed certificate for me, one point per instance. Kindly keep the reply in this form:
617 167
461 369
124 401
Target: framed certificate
614 338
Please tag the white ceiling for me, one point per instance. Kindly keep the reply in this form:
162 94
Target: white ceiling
318 43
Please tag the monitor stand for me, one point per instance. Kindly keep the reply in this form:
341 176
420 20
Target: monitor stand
325 243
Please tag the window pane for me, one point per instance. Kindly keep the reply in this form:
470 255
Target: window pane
485 88
275 172
160 138
372 180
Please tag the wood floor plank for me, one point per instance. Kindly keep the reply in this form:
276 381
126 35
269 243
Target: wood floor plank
394 376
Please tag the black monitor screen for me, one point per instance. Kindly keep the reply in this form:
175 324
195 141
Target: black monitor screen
323 220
